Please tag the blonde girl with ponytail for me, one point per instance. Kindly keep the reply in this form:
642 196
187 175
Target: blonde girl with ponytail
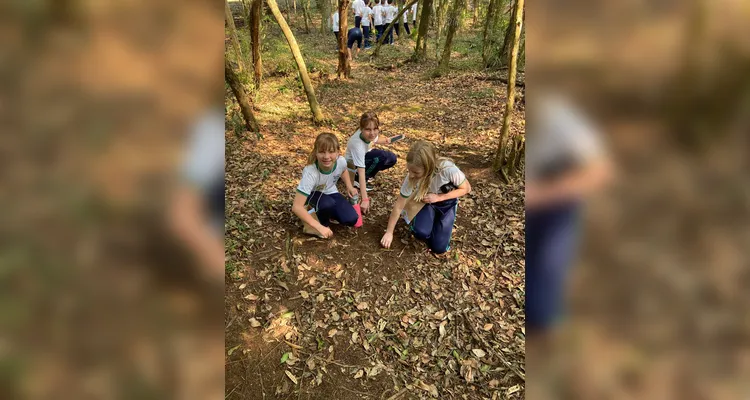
433 185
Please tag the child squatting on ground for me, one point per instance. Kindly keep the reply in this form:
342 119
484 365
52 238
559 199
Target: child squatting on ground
317 188
433 183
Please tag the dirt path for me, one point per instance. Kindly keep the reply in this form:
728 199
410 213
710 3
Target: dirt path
361 321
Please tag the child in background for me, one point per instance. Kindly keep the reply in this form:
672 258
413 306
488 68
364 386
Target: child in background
378 15
354 35
363 161
438 183
405 19
414 15
318 187
334 20
390 14
366 24
357 7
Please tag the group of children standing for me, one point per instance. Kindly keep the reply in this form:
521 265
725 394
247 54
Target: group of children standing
378 13
428 195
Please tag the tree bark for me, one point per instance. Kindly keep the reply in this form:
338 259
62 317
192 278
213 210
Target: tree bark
509 37
420 50
391 26
233 35
518 22
255 38
304 16
345 67
475 10
288 17
324 6
488 25
309 91
246 106
453 23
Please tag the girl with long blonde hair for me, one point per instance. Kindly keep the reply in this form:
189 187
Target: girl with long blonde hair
437 183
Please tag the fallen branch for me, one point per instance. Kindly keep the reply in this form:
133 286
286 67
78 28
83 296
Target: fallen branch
476 335
399 394
504 80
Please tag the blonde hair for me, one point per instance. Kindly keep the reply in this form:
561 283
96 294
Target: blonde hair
324 142
368 117
423 155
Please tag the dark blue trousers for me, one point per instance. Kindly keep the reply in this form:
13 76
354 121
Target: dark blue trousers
332 206
434 224
377 160
366 31
379 29
551 235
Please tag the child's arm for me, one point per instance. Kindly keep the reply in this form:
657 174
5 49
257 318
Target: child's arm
363 187
350 189
577 183
298 208
392 221
465 188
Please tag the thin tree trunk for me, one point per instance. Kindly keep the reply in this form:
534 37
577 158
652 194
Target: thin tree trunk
475 10
309 91
509 37
324 6
294 4
453 23
233 35
518 22
390 26
488 24
288 16
420 50
246 106
255 38
304 16
345 67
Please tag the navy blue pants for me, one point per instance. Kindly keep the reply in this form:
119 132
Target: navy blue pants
332 206
377 160
357 21
389 34
434 224
551 235
406 27
379 29
366 31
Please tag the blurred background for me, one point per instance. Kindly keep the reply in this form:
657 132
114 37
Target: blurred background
658 301
108 252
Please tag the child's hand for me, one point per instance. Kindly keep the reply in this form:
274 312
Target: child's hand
365 205
325 231
431 198
353 192
386 240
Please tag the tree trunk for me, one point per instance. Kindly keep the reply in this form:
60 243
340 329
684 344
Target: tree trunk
509 37
304 16
391 26
488 25
255 38
324 6
294 4
233 35
246 106
475 10
314 106
288 17
453 23
500 155
345 67
420 50
308 12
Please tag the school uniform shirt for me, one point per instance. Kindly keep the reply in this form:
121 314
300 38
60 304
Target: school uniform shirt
414 12
405 16
357 6
560 138
447 172
377 14
366 12
336 21
390 13
357 147
315 180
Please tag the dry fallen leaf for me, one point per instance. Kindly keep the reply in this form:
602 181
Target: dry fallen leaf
304 294
363 306
254 322
431 389
243 286
251 297
291 376
479 353
359 374
487 327
332 332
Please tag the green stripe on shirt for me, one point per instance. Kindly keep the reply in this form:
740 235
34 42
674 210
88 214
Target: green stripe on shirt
301 192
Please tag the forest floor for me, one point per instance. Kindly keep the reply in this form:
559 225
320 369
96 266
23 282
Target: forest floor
344 318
